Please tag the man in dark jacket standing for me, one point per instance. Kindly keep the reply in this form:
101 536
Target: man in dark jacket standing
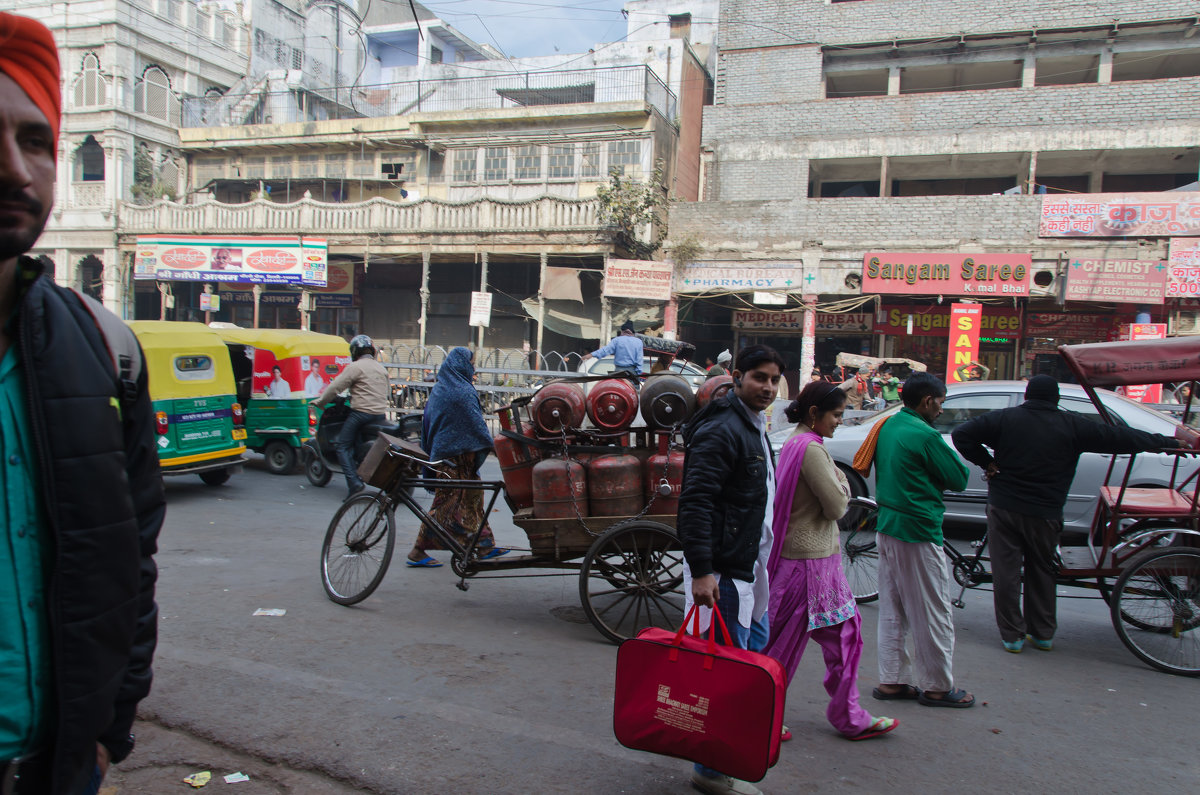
724 518
1037 447
83 499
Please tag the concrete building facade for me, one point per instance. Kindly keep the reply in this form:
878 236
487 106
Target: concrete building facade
842 128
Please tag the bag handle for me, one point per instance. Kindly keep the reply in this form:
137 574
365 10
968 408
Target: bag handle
694 617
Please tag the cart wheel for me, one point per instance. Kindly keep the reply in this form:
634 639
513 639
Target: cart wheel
860 556
1156 609
317 472
632 578
358 547
281 457
215 477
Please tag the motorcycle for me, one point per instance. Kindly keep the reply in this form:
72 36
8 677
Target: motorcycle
320 456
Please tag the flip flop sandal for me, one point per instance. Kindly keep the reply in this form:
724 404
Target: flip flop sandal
495 553
909 693
424 563
957 698
785 735
880 726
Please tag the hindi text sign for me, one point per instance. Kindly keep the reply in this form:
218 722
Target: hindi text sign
1121 215
1143 393
632 278
1183 260
481 309
255 259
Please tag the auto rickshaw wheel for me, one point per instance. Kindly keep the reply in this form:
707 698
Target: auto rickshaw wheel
317 472
281 457
215 477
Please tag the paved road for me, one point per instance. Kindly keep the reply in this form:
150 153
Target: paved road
506 688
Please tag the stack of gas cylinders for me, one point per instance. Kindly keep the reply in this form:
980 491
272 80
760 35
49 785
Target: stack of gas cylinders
562 467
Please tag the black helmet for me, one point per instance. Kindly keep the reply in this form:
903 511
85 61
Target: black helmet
361 345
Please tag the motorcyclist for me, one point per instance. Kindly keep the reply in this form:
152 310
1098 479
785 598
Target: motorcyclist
368 383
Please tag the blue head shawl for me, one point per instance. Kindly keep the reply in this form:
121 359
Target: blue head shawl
453 422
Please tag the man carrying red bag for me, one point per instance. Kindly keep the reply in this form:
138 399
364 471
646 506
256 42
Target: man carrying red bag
723 521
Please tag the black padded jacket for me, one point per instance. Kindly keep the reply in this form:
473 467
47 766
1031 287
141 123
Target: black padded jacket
103 502
724 497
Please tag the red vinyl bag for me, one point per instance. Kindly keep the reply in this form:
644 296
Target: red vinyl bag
689 697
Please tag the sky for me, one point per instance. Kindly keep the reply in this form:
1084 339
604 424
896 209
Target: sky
534 27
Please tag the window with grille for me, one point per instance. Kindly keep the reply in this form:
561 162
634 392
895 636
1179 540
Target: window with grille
465 165
308 166
168 172
589 160
561 161
152 94
626 157
254 168
435 55
335 165
495 164
91 89
281 166
363 164
89 161
297 58
527 162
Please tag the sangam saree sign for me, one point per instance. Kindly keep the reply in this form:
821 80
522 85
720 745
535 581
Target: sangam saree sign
946 273
1121 215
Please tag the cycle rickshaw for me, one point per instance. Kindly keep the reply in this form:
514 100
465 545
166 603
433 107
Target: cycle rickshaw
1143 551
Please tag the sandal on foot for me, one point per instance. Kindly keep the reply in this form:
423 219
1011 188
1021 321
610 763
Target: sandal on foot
424 563
495 552
908 693
785 735
957 697
880 726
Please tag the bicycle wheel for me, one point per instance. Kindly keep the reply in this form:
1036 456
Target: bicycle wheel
1156 609
632 578
860 556
358 547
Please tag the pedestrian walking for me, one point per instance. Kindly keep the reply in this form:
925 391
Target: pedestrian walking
810 597
1036 447
724 520
627 352
369 388
888 386
83 497
913 466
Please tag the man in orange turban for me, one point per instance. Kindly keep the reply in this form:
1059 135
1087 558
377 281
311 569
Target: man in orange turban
83 500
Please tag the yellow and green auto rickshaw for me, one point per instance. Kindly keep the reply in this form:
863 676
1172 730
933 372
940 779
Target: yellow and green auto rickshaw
199 423
277 372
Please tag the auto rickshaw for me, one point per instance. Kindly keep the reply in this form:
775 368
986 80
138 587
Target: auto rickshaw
198 420
278 372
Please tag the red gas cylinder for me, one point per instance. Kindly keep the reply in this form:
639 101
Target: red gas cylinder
667 400
664 477
614 485
612 405
559 487
557 406
517 460
712 389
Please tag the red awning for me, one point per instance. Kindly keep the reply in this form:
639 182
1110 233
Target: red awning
1173 360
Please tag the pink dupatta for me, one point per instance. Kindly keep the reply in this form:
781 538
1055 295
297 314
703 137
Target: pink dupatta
787 474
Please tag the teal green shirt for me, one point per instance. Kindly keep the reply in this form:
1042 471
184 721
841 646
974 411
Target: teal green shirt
24 552
913 466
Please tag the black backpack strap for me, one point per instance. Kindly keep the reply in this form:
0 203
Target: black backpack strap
122 346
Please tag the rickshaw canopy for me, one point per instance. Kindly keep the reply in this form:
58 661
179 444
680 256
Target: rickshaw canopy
855 360
183 360
1134 362
286 343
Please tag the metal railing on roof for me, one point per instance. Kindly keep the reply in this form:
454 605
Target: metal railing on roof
517 90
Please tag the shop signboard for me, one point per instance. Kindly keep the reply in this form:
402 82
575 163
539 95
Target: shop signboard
254 259
633 278
784 276
244 294
965 323
1143 393
942 273
481 309
827 322
1124 281
339 287
1183 259
1070 327
999 324
1121 215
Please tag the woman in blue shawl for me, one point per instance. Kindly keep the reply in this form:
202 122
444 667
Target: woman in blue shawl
453 430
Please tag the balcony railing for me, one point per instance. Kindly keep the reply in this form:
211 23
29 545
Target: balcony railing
375 216
88 194
520 90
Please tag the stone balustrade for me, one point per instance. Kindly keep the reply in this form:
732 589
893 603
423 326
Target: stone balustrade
88 194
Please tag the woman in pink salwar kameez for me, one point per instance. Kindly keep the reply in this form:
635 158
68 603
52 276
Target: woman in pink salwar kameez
810 597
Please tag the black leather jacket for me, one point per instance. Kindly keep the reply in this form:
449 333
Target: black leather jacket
103 500
724 497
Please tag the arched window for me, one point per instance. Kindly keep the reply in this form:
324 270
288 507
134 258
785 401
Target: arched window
91 89
89 161
153 96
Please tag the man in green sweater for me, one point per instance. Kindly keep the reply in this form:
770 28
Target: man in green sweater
914 465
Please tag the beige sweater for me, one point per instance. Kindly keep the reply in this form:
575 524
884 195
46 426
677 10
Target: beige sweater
368 383
821 498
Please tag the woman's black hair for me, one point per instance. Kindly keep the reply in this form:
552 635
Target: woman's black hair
919 386
820 394
754 355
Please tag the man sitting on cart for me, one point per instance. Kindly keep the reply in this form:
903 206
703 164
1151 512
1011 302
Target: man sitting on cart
1036 449
627 352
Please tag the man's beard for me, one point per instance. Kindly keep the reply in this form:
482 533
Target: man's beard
15 241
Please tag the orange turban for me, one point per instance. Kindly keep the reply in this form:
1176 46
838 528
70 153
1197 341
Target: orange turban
29 56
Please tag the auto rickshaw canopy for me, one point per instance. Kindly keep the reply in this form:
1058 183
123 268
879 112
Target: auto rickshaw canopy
286 343
168 344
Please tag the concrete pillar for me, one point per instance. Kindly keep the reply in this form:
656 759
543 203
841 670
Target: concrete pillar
62 266
425 256
483 288
1096 181
63 184
1031 183
885 183
541 302
893 89
1029 69
808 346
1104 72
258 291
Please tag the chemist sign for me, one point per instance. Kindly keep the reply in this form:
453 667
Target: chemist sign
1127 281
